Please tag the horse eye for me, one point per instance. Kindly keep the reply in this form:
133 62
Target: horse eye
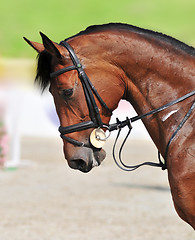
66 93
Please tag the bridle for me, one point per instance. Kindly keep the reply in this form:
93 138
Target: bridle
89 91
96 121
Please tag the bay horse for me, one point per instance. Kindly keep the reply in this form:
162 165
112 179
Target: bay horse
90 72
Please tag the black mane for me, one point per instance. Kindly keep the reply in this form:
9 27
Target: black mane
44 67
121 26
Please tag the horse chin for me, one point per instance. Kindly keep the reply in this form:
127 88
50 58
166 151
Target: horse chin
99 155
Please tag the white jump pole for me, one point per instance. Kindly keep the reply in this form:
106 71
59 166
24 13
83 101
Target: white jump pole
13 120
14 161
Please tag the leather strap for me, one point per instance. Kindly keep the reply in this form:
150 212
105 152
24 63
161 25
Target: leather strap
164 165
89 91
77 127
124 123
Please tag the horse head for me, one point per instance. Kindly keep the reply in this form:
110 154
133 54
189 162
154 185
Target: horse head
72 100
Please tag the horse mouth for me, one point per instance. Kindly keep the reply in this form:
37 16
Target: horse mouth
99 156
94 159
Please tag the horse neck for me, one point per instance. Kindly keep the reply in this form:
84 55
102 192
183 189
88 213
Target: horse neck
156 73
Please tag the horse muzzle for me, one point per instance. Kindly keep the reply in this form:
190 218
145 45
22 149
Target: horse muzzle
86 158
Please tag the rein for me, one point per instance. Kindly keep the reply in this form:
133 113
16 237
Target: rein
128 122
98 137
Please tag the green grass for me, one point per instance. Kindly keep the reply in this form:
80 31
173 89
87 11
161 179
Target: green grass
62 18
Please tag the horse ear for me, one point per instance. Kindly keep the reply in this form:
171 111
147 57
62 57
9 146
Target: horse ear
37 46
50 46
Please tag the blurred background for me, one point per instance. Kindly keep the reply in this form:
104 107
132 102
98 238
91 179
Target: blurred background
40 199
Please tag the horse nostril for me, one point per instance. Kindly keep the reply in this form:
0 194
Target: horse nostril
79 164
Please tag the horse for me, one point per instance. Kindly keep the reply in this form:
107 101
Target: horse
90 72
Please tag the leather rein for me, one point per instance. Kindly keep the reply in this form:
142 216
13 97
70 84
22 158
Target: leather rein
98 137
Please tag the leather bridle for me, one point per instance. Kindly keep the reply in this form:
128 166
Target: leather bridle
96 121
89 91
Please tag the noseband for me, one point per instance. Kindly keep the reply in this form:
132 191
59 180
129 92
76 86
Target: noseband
96 121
